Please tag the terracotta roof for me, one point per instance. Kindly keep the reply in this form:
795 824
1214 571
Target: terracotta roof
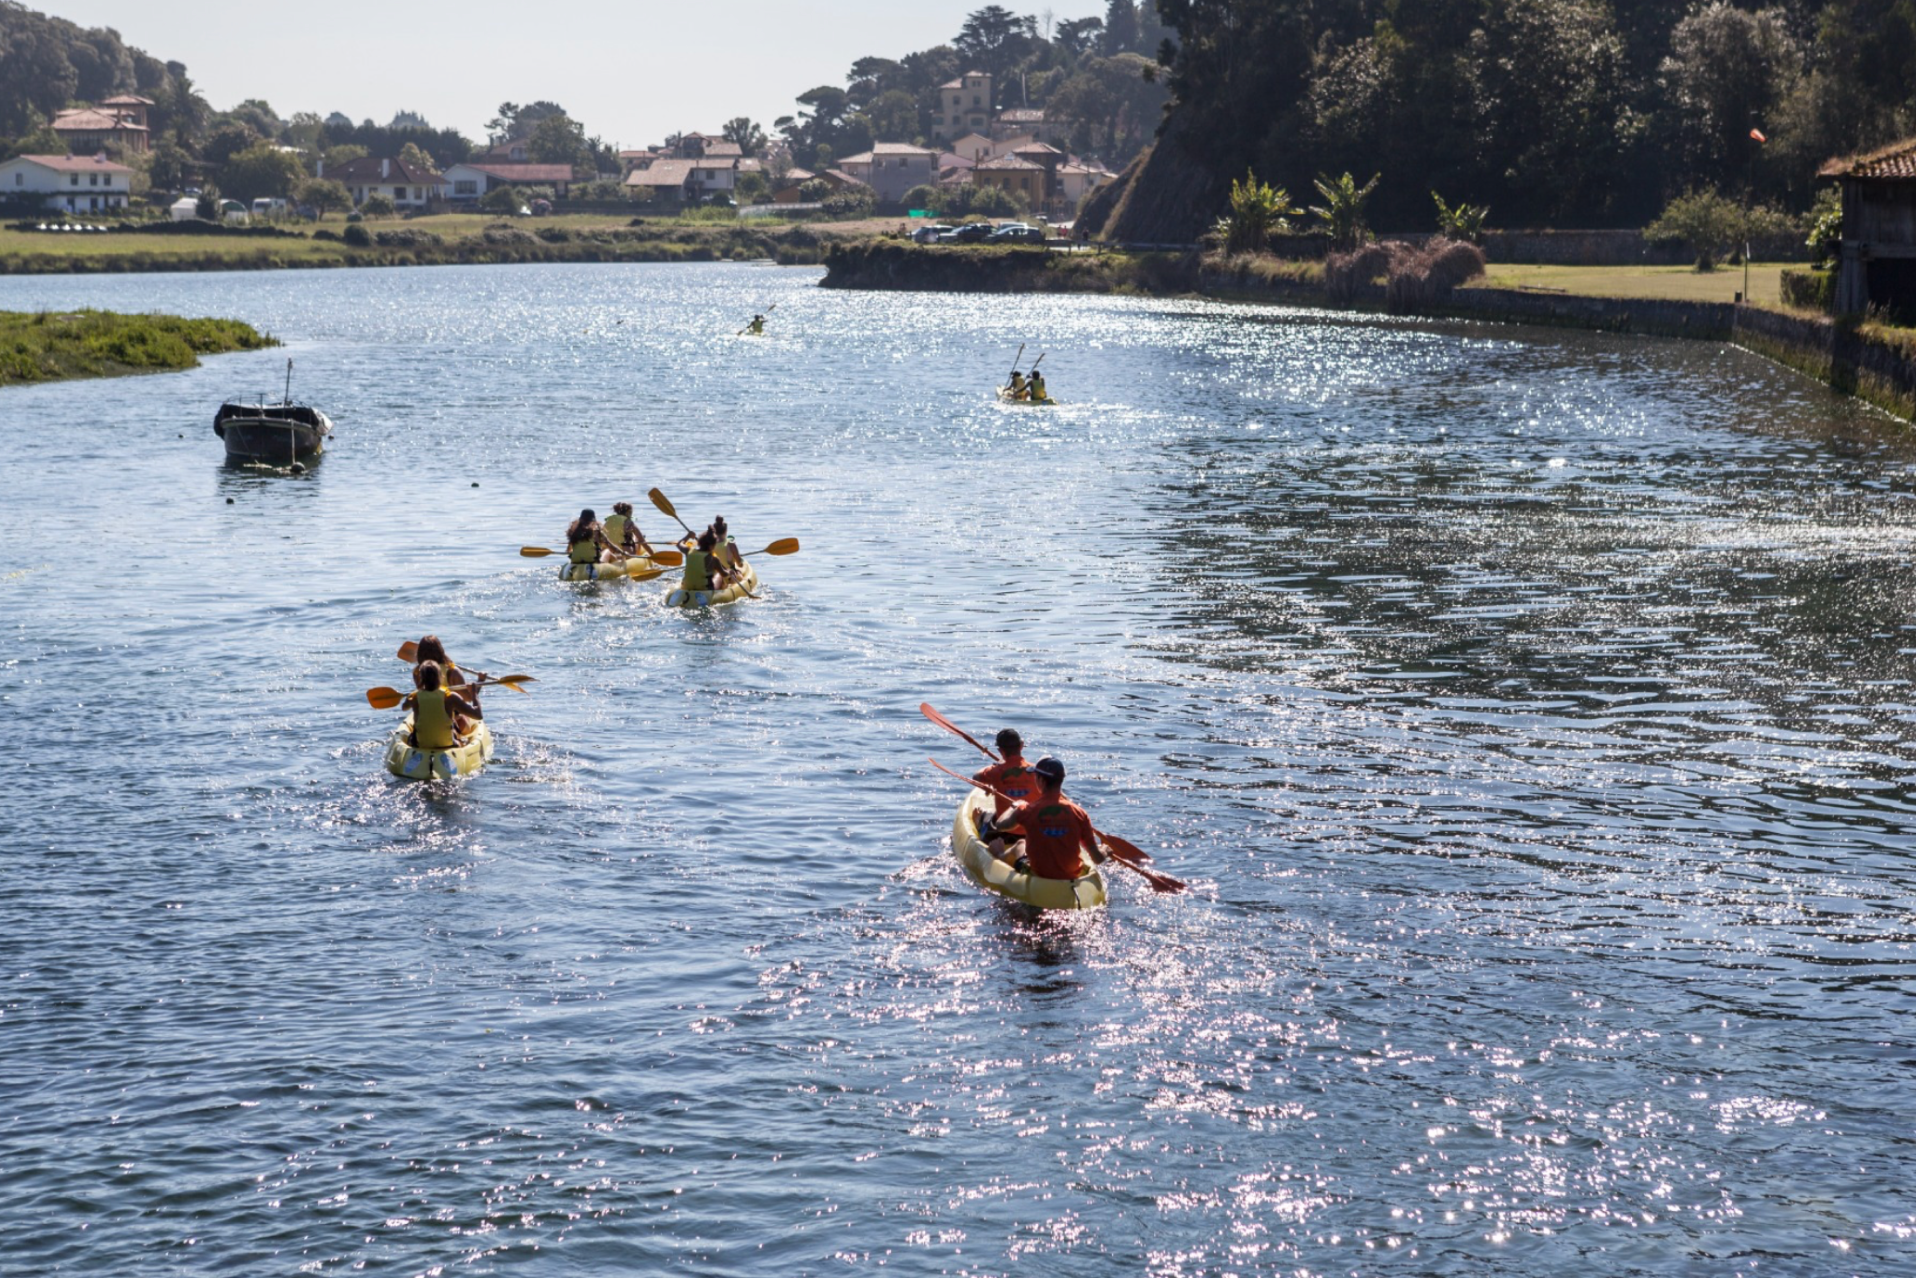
127 99
720 150
846 178
663 173
87 120
1008 164
799 175
526 172
76 164
952 160
863 157
366 169
899 148
1895 161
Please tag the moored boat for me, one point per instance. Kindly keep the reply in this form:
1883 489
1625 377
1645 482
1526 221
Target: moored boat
270 434
683 598
1083 893
404 759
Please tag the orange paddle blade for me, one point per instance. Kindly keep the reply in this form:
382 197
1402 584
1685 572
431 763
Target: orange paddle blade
668 559
925 708
384 698
408 652
659 500
783 546
536 552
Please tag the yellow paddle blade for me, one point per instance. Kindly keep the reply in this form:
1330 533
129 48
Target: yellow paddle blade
408 652
646 574
536 552
783 546
659 500
668 559
513 682
384 698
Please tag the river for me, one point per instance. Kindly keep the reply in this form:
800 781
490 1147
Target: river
1531 713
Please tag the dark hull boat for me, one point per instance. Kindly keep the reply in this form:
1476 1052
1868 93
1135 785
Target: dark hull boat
266 434
272 434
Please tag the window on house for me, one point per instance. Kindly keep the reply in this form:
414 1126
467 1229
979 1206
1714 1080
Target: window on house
75 179
465 188
19 179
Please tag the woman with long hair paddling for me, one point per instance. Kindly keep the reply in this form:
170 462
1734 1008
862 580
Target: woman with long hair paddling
586 541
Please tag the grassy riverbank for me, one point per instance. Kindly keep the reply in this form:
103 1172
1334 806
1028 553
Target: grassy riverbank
1656 283
47 347
422 241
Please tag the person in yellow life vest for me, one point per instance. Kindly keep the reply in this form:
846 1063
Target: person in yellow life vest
623 532
757 326
1035 388
431 649
724 547
1017 385
435 711
703 568
585 540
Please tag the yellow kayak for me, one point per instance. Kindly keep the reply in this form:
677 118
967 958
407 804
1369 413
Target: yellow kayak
988 872
1004 394
683 598
403 759
619 571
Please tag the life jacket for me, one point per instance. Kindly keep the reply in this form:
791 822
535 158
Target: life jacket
698 571
432 727
615 527
1017 386
583 552
1037 388
758 326
1015 779
1055 834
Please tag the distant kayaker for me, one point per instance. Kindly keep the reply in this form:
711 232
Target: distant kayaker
1035 388
436 713
623 532
430 649
1012 777
1057 833
1017 385
757 327
585 540
703 569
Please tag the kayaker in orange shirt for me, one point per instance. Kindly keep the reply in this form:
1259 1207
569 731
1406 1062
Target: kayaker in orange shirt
1057 832
1013 777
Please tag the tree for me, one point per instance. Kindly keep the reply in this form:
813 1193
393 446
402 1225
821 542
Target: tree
558 139
502 199
1727 72
1711 225
994 39
408 120
1120 25
324 195
814 191
1462 221
741 129
227 141
893 117
411 154
262 171
171 168
1342 211
345 153
377 206
752 188
1258 211
1076 36
257 115
515 122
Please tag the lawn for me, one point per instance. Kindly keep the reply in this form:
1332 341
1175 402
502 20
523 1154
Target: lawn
1664 283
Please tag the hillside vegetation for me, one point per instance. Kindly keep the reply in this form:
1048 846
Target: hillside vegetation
46 347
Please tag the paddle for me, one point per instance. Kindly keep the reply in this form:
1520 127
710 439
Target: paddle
1126 849
1016 360
767 311
387 698
663 558
659 499
1159 882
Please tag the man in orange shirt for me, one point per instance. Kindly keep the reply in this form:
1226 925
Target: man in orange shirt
1013 777
1057 832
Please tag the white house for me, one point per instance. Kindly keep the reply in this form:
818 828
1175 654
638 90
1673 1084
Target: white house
407 187
66 183
893 168
472 180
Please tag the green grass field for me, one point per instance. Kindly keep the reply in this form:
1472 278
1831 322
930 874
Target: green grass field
1663 283
47 347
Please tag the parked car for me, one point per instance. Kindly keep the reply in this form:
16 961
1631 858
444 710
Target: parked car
1017 233
969 233
932 231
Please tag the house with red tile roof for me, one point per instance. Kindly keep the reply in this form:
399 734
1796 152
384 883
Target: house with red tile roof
469 182
406 185
87 130
1876 263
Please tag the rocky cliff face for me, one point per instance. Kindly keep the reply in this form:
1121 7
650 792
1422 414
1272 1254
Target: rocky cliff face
1168 195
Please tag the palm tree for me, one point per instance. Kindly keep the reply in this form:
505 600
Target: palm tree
1342 211
1258 211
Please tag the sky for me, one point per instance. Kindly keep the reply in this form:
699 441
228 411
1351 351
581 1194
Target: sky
632 71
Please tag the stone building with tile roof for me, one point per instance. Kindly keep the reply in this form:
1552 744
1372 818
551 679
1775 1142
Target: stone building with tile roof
1876 266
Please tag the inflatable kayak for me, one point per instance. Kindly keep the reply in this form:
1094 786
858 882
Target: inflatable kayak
1005 395
988 872
619 571
683 598
403 759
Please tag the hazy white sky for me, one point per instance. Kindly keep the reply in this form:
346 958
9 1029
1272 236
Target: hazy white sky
631 70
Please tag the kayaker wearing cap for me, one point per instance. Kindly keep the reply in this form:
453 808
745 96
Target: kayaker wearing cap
1017 385
431 649
585 539
622 532
435 711
1057 832
1012 777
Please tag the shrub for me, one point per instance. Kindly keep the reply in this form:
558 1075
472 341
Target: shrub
357 235
1712 226
1810 290
407 238
853 201
504 199
377 206
1342 211
500 233
1420 277
1258 211
323 234
1345 272
1461 221
814 191
1826 227
554 234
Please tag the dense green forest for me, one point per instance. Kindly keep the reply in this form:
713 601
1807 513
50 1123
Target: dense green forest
1553 112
